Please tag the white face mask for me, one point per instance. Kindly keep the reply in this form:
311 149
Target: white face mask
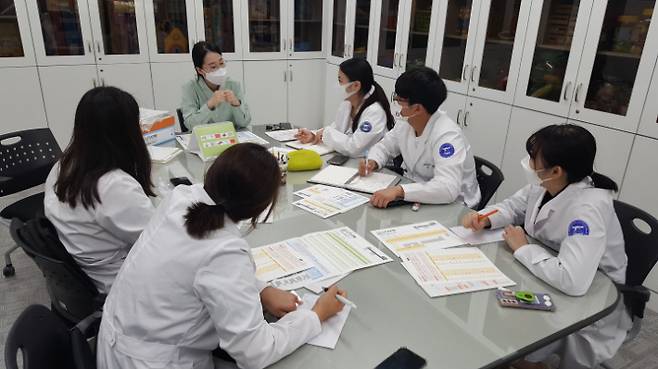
531 174
398 112
217 77
342 90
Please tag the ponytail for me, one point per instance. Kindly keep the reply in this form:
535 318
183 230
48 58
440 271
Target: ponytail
378 96
201 219
604 182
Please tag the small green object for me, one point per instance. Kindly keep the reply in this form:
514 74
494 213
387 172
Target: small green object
525 296
302 160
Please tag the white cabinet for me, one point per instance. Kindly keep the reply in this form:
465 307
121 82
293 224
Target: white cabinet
306 93
485 125
266 86
132 78
15 37
21 104
60 106
218 22
639 185
649 120
332 96
349 35
171 29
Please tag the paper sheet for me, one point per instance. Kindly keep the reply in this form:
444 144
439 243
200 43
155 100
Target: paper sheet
161 154
334 175
184 140
478 238
283 135
314 191
321 149
330 201
417 236
248 136
331 328
332 253
277 260
442 272
318 287
372 183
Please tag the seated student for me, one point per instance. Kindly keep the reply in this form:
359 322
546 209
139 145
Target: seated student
212 96
189 284
434 150
363 117
569 208
97 195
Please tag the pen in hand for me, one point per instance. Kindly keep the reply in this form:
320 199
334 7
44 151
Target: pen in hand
342 299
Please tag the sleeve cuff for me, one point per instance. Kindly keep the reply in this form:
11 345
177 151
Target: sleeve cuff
531 254
311 316
497 220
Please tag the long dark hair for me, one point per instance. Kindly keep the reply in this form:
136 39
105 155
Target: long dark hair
242 182
357 69
199 51
106 136
571 147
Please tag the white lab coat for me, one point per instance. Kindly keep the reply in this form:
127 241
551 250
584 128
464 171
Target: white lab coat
177 298
99 238
440 161
580 223
371 128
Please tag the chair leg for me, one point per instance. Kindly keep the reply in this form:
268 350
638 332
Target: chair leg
9 270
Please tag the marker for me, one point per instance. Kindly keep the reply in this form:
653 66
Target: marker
342 299
366 154
481 217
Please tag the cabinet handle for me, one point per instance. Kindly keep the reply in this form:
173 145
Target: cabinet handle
285 44
566 90
464 72
102 81
290 48
93 82
89 47
466 118
98 47
473 71
400 60
291 75
395 58
459 113
577 95
347 52
285 76
351 51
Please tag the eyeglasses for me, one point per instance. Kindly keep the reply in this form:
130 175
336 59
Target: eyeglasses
395 98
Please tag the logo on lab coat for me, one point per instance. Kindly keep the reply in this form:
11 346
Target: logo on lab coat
578 227
366 127
446 150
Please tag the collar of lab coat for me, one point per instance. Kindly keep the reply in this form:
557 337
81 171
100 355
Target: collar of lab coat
427 133
200 195
559 200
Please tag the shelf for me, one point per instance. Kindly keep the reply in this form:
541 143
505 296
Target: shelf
457 37
618 54
554 47
308 20
500 42
264 20
426 34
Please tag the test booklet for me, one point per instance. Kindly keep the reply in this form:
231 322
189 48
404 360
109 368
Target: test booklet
331 254
283 135
417 236
321 149
349 178
327 201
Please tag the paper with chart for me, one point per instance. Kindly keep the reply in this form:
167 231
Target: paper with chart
277 260
442 272
349 178
417 236
318 287
331 253
321 149
314 191
283 135
480 237
331 328
330 201
248 136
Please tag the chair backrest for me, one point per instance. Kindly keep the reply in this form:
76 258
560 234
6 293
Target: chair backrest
27 157
641 247
489 178
72 293
42 338
181 121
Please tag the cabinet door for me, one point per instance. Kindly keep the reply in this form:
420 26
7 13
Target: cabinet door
15 37
485 124
171 29
332 96
305 29
306 93
21 104
60 107
218 23
554 42
61 31
639 182
456 35
388 25
339 14
417 48
617 63
132 78
359 40
498 50
455 106
119 31
266 90
649 121
264 28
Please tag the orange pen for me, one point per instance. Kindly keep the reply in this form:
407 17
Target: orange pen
481 217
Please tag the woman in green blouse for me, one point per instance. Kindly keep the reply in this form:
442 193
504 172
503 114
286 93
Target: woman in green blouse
212 97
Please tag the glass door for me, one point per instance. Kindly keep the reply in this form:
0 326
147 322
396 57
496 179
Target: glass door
616 70
61 31
119 30
15 41
216 24
389 26
554 43
457 35
339 20
171 29
358 42
265 28
305 31
416 49
498 50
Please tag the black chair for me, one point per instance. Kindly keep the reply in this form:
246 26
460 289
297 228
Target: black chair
489 179
45 342
72 293
27 157
181 121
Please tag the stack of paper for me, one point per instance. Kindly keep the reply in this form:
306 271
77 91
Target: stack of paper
417 236
321 149
326 201
163 155
283 135
349 178
331 327
148 116
248 136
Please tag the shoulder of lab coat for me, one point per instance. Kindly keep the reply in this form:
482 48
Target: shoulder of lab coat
513 209
125 210
356 143
573 268
389 146
230 292
445 185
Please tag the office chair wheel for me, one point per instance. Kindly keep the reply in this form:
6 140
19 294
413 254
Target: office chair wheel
8 271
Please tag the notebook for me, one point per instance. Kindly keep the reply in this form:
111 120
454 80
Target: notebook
349 178
321 149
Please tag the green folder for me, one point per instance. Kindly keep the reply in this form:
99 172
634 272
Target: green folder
210 140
